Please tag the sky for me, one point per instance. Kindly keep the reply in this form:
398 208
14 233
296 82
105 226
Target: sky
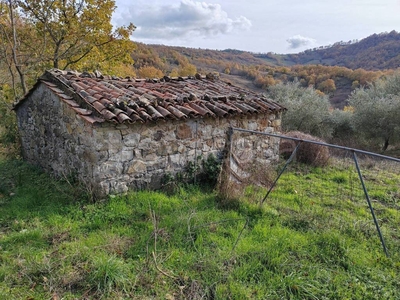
261 26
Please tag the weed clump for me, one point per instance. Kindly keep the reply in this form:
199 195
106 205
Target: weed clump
308 153
229 191
233 186
202 172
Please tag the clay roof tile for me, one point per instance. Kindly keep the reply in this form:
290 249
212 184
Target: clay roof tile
108 115
138 100
218 111
124 118
164 112
176 112
155 115
82 111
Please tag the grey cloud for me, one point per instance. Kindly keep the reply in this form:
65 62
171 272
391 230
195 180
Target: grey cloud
188 19
298 41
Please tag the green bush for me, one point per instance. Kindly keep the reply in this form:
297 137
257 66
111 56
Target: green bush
377 111
211 167
307 110
203 172
8 125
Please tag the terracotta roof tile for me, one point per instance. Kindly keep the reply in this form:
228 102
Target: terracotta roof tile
97 97
65 97
50 84
187 110
92 119
108 115
124 118
144 115
136 118
56 90
203 112
218 111
155 114
82 111
165 113
71 103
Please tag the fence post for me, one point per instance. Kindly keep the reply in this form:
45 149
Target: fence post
369 203
195 153
229 144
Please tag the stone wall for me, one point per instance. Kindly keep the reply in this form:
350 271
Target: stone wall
53 136
140 155
115 158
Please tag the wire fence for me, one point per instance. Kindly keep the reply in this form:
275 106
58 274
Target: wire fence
311 170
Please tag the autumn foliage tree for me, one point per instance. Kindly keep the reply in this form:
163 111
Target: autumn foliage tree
17 63
327 86
149 72
40 34
71 30
19 53
184 70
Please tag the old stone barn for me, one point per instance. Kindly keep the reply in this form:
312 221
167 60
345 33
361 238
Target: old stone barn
119 134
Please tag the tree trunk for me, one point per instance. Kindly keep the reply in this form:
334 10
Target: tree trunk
386 144
14 49
56 54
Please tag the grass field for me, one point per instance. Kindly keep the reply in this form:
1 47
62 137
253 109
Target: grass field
313 238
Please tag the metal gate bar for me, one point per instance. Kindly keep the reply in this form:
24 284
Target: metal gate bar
352 150
318 143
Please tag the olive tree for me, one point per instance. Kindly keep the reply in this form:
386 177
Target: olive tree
377 110
342 125
307 109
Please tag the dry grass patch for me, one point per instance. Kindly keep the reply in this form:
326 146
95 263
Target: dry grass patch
308 153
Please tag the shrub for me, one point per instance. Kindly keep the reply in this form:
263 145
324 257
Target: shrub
232 186
150 72
307 109
377 111
211 168
308 153
229 191
203 172
9 141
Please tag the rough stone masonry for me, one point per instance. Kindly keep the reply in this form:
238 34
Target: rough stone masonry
113 157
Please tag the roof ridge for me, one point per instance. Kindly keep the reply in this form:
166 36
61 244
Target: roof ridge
98 75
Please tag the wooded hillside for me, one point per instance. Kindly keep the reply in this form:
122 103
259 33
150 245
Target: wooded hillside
257 71
376 52
73 38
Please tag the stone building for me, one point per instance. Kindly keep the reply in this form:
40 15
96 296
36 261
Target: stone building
118 134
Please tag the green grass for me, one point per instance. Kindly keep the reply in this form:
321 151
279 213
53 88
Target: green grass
313 238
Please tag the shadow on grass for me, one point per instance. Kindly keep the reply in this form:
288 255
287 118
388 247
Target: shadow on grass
26 192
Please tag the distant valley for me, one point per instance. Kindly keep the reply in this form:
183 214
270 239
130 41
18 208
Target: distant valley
335 70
